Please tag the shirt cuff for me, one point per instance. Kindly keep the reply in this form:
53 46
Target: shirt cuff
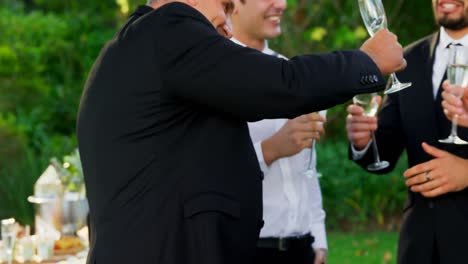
358 154
320 236
261 161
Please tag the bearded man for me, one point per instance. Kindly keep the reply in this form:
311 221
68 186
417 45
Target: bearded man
434 227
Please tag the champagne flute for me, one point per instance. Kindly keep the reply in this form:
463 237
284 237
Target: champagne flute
8 237
373 15
369 103
312 170
457 73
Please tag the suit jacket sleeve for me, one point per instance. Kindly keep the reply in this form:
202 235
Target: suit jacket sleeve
201 67
389 136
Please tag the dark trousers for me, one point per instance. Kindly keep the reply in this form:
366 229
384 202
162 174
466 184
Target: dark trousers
303 255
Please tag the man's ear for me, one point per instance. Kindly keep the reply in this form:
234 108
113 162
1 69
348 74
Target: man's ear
192 2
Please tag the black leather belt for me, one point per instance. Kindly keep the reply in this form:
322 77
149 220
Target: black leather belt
285 243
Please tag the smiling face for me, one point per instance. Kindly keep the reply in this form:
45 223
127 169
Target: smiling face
258 19
451 14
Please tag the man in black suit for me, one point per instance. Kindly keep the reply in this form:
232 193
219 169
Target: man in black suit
170 170
434 229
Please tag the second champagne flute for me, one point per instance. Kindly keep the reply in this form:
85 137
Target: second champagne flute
370 105
457 73
311 170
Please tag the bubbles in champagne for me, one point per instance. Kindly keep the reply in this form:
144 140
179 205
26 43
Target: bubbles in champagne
371 109
458 74
368 102
376 25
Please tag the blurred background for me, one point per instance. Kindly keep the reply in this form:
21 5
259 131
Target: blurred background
48 46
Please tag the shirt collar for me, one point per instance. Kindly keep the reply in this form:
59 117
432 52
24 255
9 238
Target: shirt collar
265 50
445 39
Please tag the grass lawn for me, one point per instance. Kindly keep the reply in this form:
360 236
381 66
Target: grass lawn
364 248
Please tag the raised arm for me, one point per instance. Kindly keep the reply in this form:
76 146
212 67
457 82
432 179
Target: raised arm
209 70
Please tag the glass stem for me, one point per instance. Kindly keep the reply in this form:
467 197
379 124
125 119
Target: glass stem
309 166
395 80
376 151
454 126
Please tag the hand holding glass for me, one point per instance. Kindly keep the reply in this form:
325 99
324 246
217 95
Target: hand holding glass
370 105
311 169
457 73
373 15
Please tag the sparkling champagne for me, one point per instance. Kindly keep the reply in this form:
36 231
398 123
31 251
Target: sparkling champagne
458 74
376 25
368 102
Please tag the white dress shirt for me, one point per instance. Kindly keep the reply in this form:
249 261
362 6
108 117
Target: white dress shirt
438 71
441 57
292 203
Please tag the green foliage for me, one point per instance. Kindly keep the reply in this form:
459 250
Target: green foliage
71 172
48 46
44 60
354 198
13 155
21 165
362 248
324 25
103 8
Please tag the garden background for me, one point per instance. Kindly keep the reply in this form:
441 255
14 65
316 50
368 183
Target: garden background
48 46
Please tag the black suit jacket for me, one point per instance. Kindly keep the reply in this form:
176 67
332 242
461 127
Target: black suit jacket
407 119
170 170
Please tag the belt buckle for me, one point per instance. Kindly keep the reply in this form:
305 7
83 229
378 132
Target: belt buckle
282 244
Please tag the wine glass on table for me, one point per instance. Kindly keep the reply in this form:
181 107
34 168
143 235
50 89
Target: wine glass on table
370 105
457 73
9 236
375 19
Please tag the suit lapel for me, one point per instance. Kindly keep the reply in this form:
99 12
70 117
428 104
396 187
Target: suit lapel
427 90
433 111
418 101
434 40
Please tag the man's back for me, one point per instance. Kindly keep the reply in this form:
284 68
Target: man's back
146 154
169 166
